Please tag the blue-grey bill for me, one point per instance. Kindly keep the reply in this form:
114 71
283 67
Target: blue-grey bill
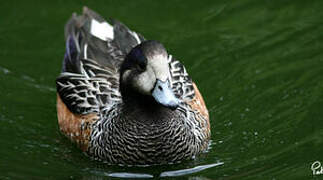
164 95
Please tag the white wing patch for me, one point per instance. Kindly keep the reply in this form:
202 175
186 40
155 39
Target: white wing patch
103 31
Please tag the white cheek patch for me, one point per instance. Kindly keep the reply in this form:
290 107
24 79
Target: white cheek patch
145 81
103 31
160 67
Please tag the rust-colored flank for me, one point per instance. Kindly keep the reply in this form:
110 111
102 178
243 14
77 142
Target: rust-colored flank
197 104
75 127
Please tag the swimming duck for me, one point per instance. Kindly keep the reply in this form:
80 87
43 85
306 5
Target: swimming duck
124 100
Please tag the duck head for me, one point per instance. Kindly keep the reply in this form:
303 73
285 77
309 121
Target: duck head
146 71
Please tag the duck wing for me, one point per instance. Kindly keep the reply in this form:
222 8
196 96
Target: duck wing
181 82
94 53
186 90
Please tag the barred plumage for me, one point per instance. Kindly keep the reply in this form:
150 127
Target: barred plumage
106 105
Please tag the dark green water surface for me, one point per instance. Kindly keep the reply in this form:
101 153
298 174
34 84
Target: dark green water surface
258 63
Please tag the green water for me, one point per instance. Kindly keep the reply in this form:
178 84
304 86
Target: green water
259 65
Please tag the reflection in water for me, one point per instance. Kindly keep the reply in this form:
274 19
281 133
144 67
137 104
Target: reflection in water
130 175
181 172
118 175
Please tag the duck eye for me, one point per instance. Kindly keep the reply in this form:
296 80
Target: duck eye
141 66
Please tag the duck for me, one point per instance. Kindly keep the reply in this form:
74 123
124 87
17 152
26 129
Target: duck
124 100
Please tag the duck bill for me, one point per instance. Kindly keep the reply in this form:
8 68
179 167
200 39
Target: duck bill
164 95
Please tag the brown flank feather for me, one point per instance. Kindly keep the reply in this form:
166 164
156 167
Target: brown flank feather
197 104
75 127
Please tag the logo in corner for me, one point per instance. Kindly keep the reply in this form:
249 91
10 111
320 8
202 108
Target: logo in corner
317 168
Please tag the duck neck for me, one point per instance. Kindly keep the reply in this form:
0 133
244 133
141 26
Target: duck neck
144 109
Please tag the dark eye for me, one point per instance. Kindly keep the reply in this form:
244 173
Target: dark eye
141 66
141 63
137 59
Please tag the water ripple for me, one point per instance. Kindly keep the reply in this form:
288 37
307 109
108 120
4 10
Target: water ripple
183 172
4 70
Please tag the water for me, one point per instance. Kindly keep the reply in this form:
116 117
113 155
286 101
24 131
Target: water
259 65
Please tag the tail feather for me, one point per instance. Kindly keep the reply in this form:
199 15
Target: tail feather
89 36
73 37
92 15
124 37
